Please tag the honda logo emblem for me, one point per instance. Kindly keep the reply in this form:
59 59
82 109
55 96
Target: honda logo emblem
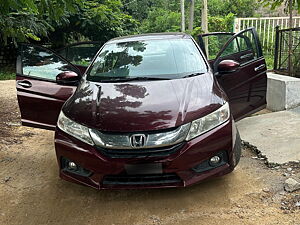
138 140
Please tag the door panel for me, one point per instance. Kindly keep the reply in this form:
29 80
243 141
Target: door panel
245 88
40 98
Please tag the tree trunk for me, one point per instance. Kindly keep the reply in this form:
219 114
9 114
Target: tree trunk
182 16
204 25
192 10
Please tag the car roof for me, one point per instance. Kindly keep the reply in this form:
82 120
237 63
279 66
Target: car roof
150 36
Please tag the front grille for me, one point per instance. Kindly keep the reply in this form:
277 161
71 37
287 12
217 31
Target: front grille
142 152
155 179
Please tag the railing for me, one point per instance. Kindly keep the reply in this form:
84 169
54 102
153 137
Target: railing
281 53
265 27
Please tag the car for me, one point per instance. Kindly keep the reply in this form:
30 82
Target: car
144 111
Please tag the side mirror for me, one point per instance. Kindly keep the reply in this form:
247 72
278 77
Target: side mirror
228 66
67 77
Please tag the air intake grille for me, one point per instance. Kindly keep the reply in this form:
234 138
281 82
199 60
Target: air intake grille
155 179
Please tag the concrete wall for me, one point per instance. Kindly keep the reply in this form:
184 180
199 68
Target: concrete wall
283 92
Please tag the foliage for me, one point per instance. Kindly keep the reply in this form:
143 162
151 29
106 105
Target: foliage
161 20
7 76
22 19
195 32
102 20
276 3
221 24
8 72
240 8
62 21
97 20
139 9
159 15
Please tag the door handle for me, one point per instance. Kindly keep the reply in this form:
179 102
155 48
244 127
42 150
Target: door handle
24 83
262 66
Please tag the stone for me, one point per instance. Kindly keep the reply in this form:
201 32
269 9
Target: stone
291 185
6 179
13 124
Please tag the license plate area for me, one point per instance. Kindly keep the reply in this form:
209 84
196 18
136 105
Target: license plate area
149 168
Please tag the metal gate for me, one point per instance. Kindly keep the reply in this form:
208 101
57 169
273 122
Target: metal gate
281 54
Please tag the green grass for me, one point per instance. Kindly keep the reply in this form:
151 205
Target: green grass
7 73
7 76
269 61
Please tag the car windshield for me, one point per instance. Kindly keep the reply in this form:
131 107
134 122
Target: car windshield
160 59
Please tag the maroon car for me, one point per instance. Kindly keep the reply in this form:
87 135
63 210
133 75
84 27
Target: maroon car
150 111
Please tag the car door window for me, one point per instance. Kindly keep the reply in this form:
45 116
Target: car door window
231 49
42 63
213 44
243 48
81 53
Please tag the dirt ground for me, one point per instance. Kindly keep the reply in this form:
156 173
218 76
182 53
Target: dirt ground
32 193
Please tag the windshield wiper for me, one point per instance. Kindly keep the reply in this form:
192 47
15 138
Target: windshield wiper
193 75
121 79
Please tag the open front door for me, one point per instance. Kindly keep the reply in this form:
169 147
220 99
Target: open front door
246 86
40 97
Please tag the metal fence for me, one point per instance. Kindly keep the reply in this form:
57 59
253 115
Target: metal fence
281 54
265 27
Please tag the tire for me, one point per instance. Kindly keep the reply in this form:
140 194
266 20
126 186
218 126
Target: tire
237 150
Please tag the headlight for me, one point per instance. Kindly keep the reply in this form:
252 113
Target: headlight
74 129
209 122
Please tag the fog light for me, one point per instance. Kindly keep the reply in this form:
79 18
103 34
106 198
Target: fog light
215 160
72 166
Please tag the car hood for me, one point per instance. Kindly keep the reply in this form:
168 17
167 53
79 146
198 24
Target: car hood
143 105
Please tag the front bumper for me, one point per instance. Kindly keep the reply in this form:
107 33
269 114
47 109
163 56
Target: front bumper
177 168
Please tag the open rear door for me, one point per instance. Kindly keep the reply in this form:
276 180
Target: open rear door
40 97
246 87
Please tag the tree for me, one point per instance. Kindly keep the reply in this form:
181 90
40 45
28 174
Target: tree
276 3
192 15
140 9
63 21
240 8
96 20
31 19
161 20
